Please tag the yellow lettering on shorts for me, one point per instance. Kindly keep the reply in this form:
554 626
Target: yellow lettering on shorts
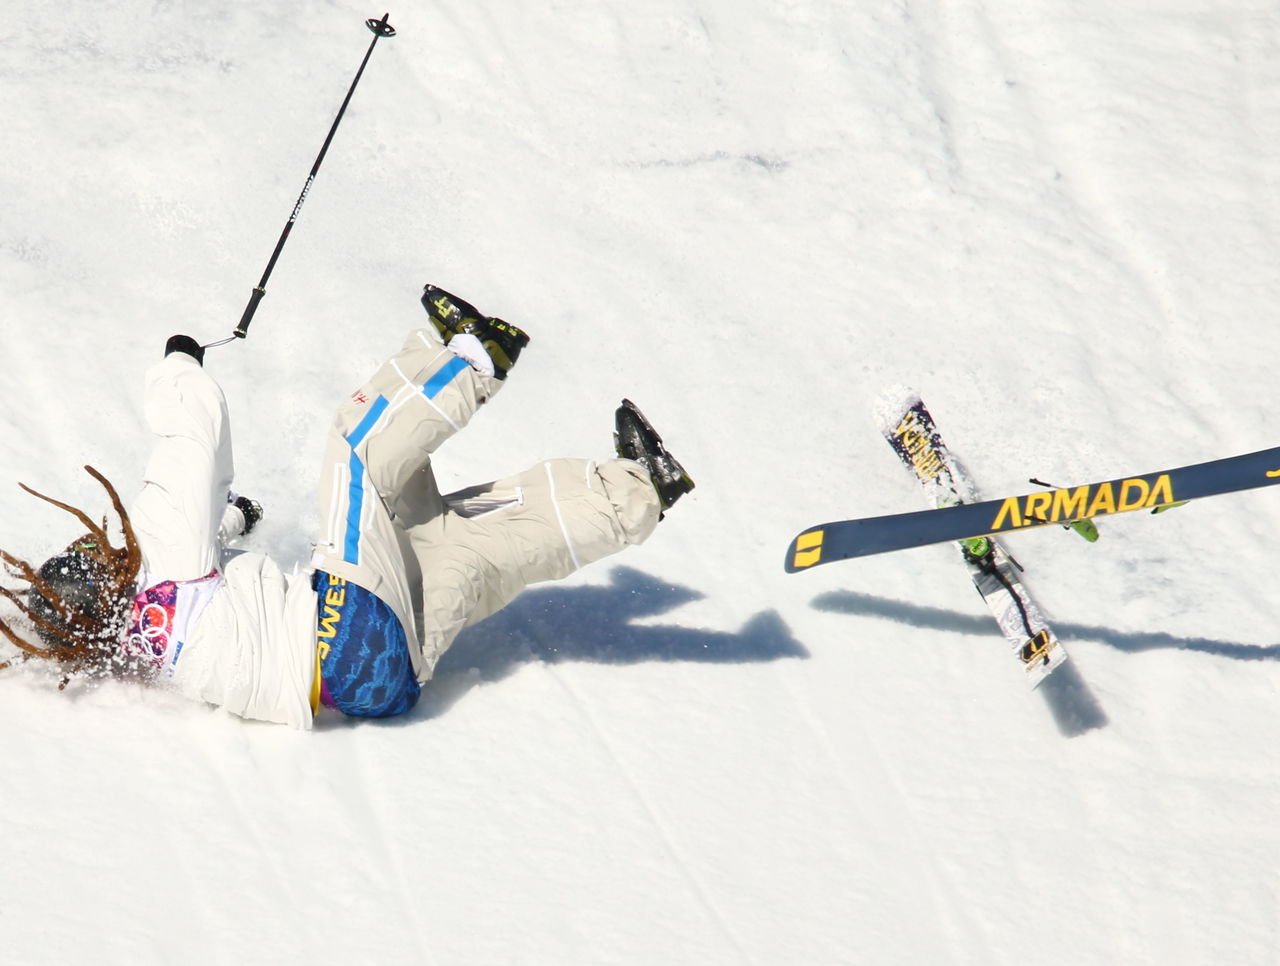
326 630
329 621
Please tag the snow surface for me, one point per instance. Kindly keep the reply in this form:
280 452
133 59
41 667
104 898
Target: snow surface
1056 221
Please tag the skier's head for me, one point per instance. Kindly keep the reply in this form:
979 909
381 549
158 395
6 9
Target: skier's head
75 597
78 600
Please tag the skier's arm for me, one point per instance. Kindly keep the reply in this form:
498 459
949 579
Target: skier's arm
184 495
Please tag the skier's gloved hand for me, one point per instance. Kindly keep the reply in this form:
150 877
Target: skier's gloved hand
186 344
250 509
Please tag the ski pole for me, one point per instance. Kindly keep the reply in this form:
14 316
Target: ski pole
381 28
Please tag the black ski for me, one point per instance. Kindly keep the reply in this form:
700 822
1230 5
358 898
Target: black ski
842 539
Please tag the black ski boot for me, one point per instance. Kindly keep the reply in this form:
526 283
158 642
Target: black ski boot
636 440
451 316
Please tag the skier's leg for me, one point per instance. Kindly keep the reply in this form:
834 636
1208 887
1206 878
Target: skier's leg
377 482
542 524
392 424
382 438
376 478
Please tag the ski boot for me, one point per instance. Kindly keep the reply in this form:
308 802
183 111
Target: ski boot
636 440
452 316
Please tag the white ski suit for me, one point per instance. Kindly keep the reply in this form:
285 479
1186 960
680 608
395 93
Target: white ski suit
232 630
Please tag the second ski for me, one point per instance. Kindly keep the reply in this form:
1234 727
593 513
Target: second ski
911 432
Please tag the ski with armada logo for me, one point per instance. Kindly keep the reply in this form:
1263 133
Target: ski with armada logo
910 430
843 539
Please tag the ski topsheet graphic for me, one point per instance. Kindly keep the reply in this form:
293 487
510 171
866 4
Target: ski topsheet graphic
843 539
911 432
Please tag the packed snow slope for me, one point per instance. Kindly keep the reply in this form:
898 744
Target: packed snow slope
753 217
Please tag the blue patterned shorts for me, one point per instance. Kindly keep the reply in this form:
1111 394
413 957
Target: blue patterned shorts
365 670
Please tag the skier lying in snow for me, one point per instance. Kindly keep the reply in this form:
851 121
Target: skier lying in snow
398 571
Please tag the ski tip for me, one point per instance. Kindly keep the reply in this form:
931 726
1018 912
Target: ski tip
892 402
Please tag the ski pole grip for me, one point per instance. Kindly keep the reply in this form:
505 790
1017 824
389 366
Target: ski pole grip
381 28
242 330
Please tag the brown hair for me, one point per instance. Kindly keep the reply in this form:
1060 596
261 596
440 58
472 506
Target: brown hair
80 639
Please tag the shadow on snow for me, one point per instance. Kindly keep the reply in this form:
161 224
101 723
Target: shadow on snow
1074 707
935 618
595 624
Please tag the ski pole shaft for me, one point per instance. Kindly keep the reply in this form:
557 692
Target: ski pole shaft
381 28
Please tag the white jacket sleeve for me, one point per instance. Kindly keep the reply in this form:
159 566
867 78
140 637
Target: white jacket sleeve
178 513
